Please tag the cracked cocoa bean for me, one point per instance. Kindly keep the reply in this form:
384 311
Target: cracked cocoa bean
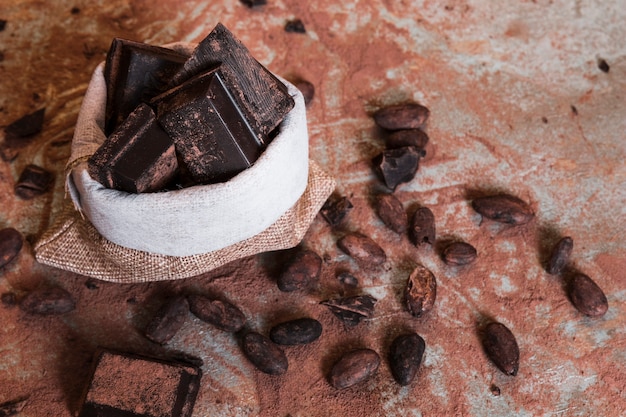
48 301
301 272
264 354
422 229
420 291
501 347
405 357
362 249
219 313
11 242
503 208
168 320
296 332
392 213
401 116
459 254
587 296
354 367
559 257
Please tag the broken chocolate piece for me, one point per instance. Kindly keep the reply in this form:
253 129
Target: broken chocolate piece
24 127
295 26
221 314
395 166
215 141
407 137
262 98
11 242
352 310
138 157
301 272
33 181
168 320
335 209
125 385
134 73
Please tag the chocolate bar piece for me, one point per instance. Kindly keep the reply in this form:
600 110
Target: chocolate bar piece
138 157
212 137
262 98
33 181
134 73
124 385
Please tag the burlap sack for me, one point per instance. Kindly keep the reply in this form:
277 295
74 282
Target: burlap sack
121 237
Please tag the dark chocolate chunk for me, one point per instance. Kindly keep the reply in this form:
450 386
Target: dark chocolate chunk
128 385
354 367
11 242
603 65
33 181
391 212
168 320
335 209
261 97
301 272
352 310
407 137
405 357
307 89
421 291
135 73
362 249
215 141
459 253
138 157
12 408
401 116
219 313
296 332
24 127
560 255
587 296
264 354
422 228
503 208
295 26
399 165
48 301
501 347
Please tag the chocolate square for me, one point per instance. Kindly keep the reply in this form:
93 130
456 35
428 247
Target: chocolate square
125 385
212 137
134 73
138 157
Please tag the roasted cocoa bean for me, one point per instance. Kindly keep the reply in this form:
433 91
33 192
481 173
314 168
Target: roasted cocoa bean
11 242
354 367
264 354
587 296
420 291
335 209
459 253
351 310
559 257
362 249
422 229
405 357
392 213
501 347
219 313
301 272
296 332
503 208
397 166
401 116
48 301
168 320
408 137
33 181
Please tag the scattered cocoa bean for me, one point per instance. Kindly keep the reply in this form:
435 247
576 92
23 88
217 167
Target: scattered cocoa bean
307 89
397 166
392 213
362 249
168 320
422 229
405 357
348 279
459 253
501 347
354 367
351 310
587 296
295 26
503 208
420 291
560 255
264 354
408 137
296 332
219 313
335 209
48 301
33 181
301 272
401 116
11 242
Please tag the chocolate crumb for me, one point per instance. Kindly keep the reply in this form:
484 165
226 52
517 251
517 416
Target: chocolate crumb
26 126
574 110
544 119
295 26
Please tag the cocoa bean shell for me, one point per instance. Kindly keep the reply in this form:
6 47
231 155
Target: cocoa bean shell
420 291
264 354
397 166
405 357
354 367
587 296
501 347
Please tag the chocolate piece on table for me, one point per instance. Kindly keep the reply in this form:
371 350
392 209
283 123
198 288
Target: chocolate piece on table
215 142
397 166
33 181
262 98
24 127
124 385
134 73
138 157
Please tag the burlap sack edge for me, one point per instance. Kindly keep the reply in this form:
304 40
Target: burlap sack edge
73 244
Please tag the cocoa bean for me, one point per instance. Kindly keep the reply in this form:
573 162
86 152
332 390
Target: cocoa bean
503 208
391 212
459 253
401 116
420 291
362 249
405 357
354 367
351 310
264 354
296 332
397 166
408 137
219 313
560 255
48 301
501 347
335 209
301 272
587 296
422 229
11 242
168 320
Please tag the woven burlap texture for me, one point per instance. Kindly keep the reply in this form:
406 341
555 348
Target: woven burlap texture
73 244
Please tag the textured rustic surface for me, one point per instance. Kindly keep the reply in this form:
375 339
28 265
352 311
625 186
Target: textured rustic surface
518 104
